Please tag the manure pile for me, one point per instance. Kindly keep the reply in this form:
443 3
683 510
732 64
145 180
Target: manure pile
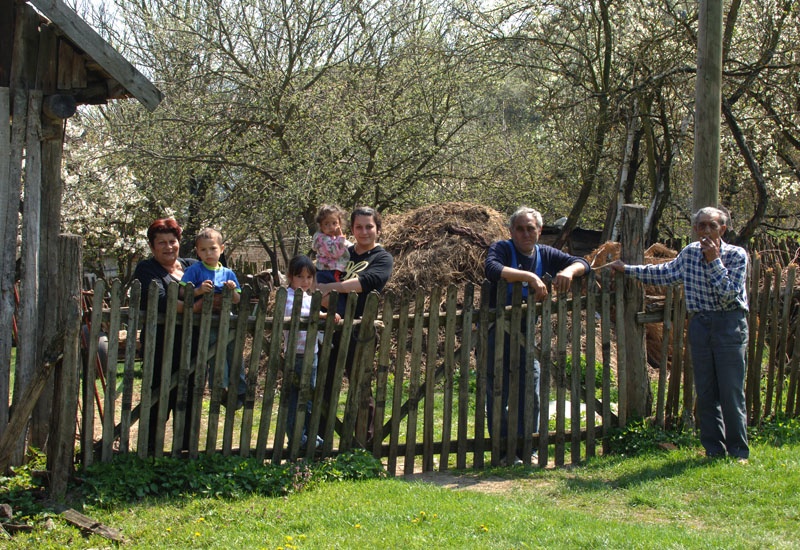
440 244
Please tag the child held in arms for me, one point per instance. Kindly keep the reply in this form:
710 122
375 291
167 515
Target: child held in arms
209 275
330 244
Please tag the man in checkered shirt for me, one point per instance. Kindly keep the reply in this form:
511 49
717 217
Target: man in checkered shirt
713 274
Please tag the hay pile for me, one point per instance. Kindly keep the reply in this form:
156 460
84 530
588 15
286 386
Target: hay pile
441 244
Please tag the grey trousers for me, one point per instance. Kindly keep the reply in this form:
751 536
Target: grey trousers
718 341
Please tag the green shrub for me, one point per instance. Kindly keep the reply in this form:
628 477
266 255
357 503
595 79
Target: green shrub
642 436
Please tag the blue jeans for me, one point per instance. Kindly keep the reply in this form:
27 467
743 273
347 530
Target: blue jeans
521 398
242 387
294 395
718 341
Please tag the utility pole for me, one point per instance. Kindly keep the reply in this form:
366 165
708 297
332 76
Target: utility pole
708 105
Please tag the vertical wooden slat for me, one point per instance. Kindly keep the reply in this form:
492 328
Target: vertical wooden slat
783 336
148 357
273 364
499 329
792 393
384 364
591 356
605 336
546 360
463 378
165 383
305 392
753 369
288 382
399 374
622 367
200 370
431 358
772 308
516 341
112 357
561 381
761 333
252 375
530 389
90 375
666 336
356 410
480 383
220 358
413 383
182 401
130 360
449 372
575 379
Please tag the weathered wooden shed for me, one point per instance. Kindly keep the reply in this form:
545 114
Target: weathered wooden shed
51 62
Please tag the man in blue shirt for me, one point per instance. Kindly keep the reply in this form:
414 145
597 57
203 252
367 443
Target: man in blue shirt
714 275
523 259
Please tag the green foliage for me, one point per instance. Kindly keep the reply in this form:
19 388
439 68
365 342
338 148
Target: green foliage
130 478
642 436
776 431
23 490
598 371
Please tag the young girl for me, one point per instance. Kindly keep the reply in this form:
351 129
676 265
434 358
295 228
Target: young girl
329 244
301 278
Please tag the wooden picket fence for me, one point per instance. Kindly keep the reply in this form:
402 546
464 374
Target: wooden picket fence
422 356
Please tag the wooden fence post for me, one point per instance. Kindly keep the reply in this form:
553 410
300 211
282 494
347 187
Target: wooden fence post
639 402
65 402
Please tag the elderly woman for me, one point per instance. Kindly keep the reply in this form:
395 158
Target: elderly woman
369 270
165 266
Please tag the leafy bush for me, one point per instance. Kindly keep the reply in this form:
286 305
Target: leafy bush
776 431
130 478
24 491
643 436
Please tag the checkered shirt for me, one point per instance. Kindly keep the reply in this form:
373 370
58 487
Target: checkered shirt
716 286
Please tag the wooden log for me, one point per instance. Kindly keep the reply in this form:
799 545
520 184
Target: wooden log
639 396
88 525
61 455
10 185
59 106
28 309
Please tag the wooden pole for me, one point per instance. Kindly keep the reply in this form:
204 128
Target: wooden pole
708 104
60 457
28 315
639 396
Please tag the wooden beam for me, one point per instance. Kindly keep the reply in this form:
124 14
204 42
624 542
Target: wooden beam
87 39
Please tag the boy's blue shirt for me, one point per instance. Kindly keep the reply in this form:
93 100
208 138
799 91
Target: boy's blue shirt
200 272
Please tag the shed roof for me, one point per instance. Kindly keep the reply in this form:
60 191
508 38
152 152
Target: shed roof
88 67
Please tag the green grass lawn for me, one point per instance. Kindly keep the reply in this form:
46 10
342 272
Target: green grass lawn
674 499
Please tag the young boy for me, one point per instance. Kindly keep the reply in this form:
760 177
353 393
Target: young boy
209 275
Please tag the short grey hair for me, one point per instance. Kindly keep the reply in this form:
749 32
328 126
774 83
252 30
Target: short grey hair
522 211
718 213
